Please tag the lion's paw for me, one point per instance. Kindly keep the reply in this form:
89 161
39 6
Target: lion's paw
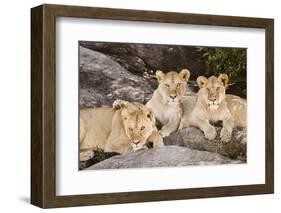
211 133
135 149
164 133
182 125
158 144
84 156
225 135
117 104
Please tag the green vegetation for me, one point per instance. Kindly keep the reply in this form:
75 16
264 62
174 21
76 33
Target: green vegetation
101 155
231 61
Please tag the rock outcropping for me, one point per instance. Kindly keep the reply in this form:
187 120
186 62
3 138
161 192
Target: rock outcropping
102 80
142 58
194 138
163 157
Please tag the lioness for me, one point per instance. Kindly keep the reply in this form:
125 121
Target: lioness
119 129
212 104
165 101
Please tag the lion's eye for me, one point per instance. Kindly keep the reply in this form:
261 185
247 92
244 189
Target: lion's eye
130 129
167 85
179 85
143 127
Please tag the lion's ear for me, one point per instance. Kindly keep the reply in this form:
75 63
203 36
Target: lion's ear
125 114
151 116
224 79
202 81
184 74
118 104
159 75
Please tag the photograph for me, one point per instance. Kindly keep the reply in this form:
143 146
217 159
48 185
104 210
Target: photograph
133 105
160 105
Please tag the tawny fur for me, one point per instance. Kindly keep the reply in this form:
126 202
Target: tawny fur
212 104
120 130
165 101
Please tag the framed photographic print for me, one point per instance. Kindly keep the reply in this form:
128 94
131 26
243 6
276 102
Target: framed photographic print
137 106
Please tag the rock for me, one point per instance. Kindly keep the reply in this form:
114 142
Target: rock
163 157
99 155
238 88
134 64
142 58
193 138
103 80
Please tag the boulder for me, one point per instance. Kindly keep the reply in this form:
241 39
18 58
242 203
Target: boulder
167 156
193 138
102 80
142 58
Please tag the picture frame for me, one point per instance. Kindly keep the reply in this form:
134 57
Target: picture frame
43 105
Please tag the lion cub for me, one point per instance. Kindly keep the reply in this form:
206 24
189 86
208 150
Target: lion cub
165 101
122 129
212 104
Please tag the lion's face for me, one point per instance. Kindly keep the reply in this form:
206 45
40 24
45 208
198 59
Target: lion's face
172 85
212 90
139 123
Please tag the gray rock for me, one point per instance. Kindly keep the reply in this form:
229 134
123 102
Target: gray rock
193 138
140 58
163 157
103 80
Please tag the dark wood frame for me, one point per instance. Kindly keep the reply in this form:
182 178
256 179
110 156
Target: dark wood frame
43 105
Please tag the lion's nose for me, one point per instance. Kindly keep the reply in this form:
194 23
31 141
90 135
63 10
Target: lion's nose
173 96
213 99
136 142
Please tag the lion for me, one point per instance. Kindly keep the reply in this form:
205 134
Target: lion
165 101
212 104
122 128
